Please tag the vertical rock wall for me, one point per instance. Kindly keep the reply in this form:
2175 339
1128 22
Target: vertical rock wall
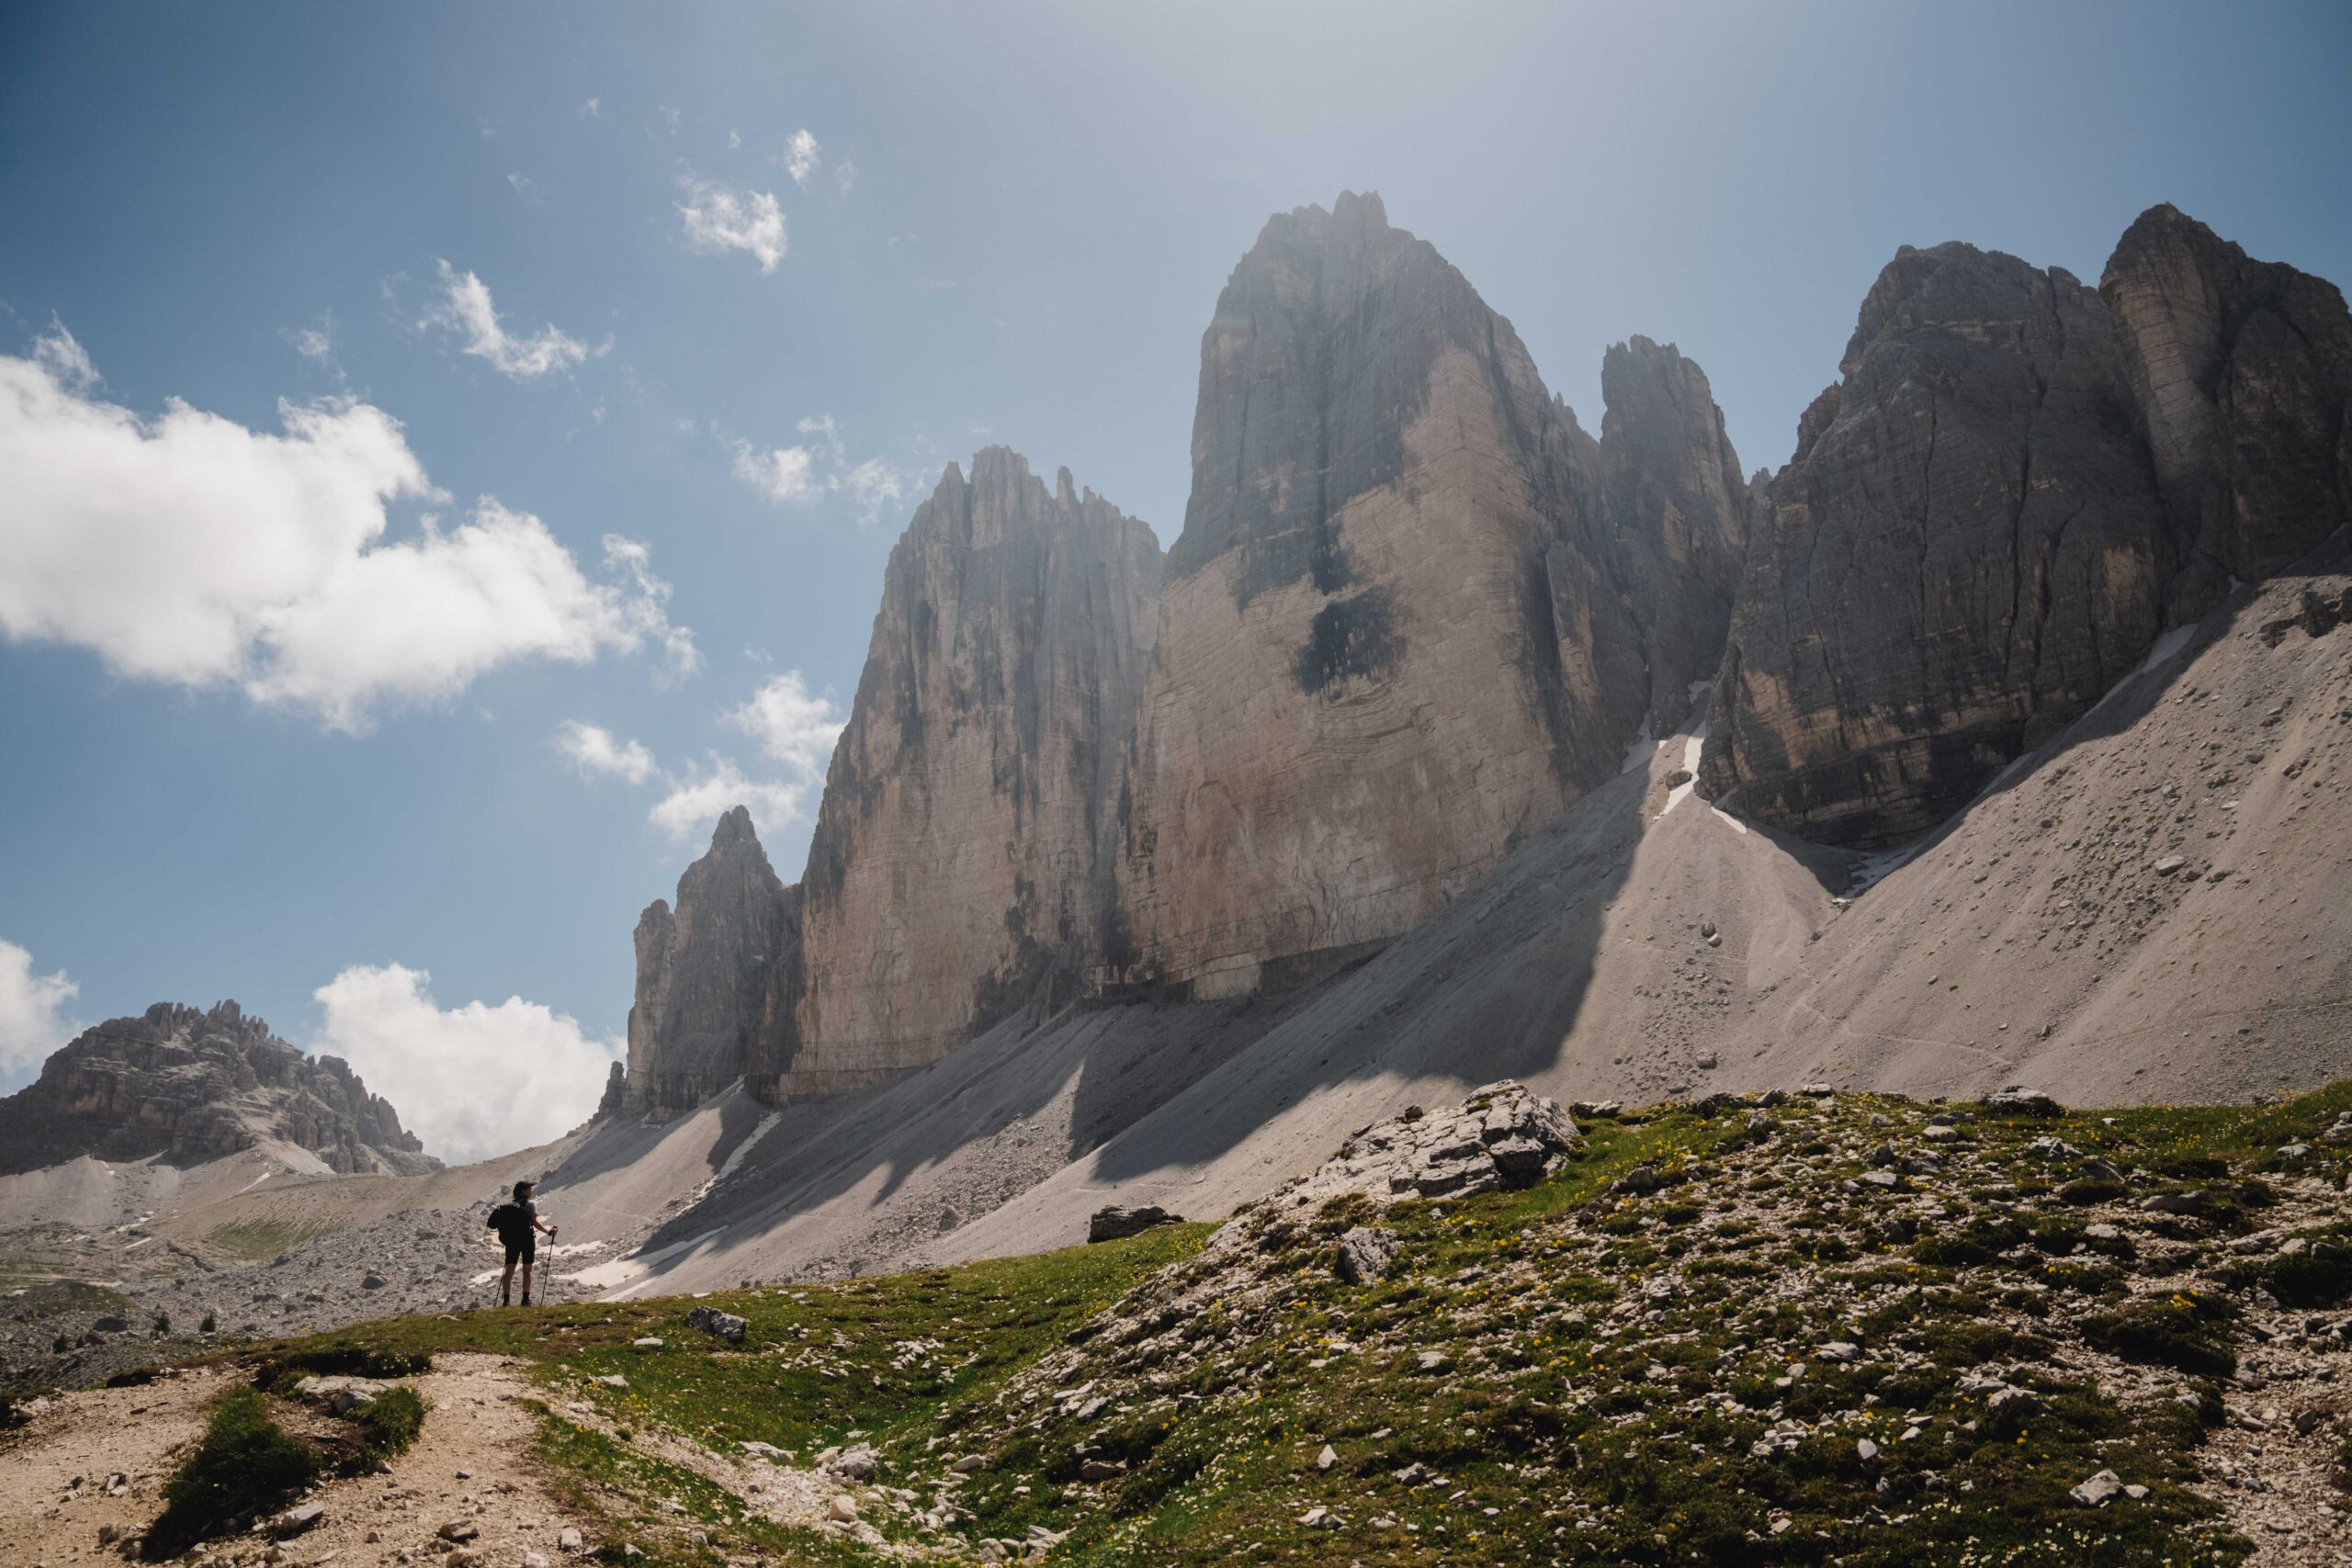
1397 631
2017 483
955 873
705 972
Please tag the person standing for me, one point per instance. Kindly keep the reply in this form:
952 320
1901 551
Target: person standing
518 1225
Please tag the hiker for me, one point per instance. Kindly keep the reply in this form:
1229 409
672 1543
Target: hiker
517 1224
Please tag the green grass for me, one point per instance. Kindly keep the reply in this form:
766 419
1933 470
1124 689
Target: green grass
1611 1364
244 1465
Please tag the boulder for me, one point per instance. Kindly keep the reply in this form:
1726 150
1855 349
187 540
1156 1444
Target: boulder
724 1325
1365 1254
1112 1223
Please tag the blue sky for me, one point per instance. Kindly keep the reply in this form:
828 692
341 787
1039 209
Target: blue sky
757 272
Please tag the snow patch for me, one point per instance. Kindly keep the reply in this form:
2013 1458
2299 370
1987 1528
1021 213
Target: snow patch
735 1160
624 1275
2172 642
1691 745
1637 755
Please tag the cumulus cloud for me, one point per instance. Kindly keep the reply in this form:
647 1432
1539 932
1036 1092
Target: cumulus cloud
592 109
802 157
802 473
32 1016
720 217
783 474
465 307
473 1082
794 728
876 487
193 550
315 342
596 753
697 797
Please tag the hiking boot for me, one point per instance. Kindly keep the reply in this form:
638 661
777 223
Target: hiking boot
527 1298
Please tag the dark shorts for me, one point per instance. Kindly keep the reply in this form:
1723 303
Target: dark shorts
524 1251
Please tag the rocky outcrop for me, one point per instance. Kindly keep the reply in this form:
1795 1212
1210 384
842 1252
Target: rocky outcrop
1677 514
1965 551
1397 634
956 872
2241 372
191 1086
2017 485
710 972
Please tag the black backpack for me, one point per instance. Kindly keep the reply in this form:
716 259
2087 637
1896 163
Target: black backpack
512 1225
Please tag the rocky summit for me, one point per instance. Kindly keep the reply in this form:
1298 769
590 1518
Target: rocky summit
190 1085
2018 485
711 973
958 871
1402 625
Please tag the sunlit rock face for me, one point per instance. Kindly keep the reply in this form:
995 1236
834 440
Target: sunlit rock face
190 1085
2241 374
1397 631
956 871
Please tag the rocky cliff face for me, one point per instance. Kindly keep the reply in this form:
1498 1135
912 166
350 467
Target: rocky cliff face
193 1086
1966 550
1397 631
2241 374
2017 484
1676 512
956 872
708 970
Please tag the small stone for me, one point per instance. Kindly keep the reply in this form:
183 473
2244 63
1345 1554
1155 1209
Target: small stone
569 1539
842 1507
295 1520
649 1342
1865 1451
459 1529
1327 1458
1098 1469
2169 865
2096 1492
970 1464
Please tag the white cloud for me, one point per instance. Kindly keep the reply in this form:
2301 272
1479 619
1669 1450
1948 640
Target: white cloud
793 726
874 486
524 186
471 1081
802 157
697 797
734 138
315 342
594 109
720 218
801 474
594 751
671 118
784 475
66 362
32 1022
845 175
191 549
465 307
